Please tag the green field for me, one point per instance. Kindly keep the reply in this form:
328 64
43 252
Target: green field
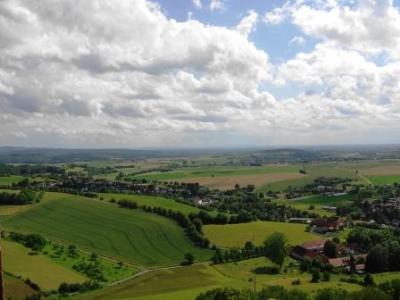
178 283
238 234
186 283
314 171
215 171
152 201
366 172
318 202
38 268
384 179
109 269
129 235
9 180
226 177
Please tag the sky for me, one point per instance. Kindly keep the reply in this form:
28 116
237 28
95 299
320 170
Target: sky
199 73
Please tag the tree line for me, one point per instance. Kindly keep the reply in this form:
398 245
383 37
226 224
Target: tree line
24 197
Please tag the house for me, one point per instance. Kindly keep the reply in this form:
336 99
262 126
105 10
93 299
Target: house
324 225
329 208
300 220
310 249
345 263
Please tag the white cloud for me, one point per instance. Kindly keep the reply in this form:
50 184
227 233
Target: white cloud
69 78
278 14
369 26
297 41
197 3
217 5
248 23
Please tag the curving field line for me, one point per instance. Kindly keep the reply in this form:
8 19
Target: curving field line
129 235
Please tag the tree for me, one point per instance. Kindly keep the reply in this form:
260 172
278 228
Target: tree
326 276
218 257
276 248
330 249
369 280
377 259
316 275
188 259
306 264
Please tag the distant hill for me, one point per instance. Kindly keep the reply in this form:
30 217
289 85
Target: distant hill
250 156
54 155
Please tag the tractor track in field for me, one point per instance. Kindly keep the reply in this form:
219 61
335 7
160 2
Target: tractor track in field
143 272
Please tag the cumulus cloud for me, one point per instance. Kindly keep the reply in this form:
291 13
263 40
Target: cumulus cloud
247 24
297 41
197 3
127 75
59 62
217 5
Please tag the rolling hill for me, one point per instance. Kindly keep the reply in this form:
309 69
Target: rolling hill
128 235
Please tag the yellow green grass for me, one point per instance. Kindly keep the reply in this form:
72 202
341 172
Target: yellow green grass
110 269
9 180
38 268
314 171
178 283
238 234
384 179
318 202
129 235
186 283
225 177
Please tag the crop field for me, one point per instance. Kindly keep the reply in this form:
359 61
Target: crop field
314 171
128 235
376 172
38 268
384 179
8 180
191 280
186 283
177 283
228 182
280 177
238 234
16 289
152 201
224 177
7 211
246 269
318 202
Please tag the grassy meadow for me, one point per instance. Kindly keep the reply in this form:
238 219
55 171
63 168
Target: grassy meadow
225 177
9 180
128 235
238 234
187 282
40 269
318 202
279 177
176 283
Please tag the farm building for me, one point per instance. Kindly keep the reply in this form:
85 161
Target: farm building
300 220
324 225
345 263
310 249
